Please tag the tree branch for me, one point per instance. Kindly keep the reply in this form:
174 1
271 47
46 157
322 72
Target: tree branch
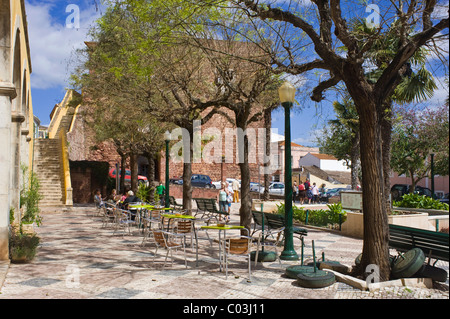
317 94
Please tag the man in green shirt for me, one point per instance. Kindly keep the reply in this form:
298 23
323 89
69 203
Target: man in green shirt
160 190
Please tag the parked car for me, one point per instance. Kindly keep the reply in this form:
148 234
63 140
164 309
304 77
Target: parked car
217 184
141 178
176 180
333 195
398 190
255 187
199 180
228 180
444 199
276 188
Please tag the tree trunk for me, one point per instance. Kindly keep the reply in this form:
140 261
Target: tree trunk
355 162
187 174
376 235
123 160
267 126
151 175
246 202
134 172
386 131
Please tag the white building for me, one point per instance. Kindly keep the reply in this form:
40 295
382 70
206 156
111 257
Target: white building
324 162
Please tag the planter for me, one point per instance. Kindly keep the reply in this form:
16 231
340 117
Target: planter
28 228
23 247
354 225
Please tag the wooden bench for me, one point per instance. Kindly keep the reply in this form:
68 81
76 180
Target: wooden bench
174 204
273 222
434 244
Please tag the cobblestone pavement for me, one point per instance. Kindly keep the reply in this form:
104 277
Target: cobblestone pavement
80 259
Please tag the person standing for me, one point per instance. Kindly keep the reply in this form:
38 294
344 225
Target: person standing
235 186
301 193
230 196
222 198
161 190
315 193
294 192
322 193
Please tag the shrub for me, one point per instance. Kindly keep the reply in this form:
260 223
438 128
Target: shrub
318 217
30 197
420 201
22 246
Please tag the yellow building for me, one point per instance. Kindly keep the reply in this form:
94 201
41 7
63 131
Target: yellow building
16 112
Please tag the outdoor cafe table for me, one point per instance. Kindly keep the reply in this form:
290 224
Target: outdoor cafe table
141 207
220 228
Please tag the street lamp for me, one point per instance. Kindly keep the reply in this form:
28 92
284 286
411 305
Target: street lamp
287 97
167 139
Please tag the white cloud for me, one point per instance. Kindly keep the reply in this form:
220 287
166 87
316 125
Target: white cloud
440 94
52 44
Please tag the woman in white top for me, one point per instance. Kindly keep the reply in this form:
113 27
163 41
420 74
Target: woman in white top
315 193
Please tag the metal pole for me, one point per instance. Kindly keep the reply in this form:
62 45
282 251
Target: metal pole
432 176
288 253
166 199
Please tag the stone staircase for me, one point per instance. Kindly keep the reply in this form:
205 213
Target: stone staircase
48 170
48 157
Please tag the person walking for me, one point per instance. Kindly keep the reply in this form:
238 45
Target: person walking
235 186
294 192
315 193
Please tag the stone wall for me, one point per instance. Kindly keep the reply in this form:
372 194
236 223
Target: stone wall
230 166
197 192
82 144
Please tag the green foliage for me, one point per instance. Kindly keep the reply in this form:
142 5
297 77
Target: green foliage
22 246
420 201
30 197
145 193
316 217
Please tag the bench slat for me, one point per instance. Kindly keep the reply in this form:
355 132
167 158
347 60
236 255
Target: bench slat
434 244
274 221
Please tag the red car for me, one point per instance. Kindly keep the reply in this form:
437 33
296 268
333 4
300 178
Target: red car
141 178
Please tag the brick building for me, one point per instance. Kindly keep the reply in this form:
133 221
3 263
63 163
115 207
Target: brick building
90 161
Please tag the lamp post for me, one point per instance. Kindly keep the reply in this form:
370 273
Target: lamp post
432 175
166 198
287 97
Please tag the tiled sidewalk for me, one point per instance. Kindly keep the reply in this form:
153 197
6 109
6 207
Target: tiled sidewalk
80 259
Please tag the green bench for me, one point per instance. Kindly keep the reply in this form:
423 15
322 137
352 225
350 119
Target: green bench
174 204
208 208
433 244
273 222
201 206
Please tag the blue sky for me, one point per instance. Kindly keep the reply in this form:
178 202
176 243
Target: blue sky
53 45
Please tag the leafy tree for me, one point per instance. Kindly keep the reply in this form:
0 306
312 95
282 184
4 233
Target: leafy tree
415 28
415 137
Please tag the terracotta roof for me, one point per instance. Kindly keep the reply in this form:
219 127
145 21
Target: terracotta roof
324 156
292 144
